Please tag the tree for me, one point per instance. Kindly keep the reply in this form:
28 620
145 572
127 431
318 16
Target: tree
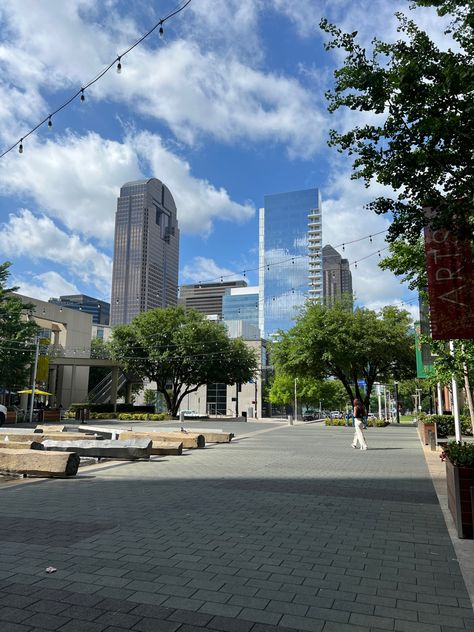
309 391
421 142
354 347
180 351
17 346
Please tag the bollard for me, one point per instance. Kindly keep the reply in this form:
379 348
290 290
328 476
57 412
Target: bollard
181 416
432 440
290 420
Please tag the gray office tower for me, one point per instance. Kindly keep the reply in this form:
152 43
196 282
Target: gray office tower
290 234
337 277
146 250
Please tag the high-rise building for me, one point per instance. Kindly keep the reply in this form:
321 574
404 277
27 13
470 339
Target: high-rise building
290 236
337 277
241 303
207 297
146 250
100 310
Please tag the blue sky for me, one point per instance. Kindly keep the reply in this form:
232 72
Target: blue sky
228 107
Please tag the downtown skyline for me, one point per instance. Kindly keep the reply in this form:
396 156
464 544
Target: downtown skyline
223 119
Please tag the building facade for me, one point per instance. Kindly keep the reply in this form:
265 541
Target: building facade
337 277
146 250
290 234
241 304
207 298
99 310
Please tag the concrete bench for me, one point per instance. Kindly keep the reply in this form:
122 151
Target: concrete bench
210 434
189 440
44 428
37 436
129 450
38 463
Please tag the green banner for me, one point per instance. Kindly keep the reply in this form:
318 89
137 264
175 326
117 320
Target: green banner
423 355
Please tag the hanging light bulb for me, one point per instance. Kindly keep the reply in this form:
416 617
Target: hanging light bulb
83 98
379 253
370 238
343 247
20 146
268 268
222 280
161 30
50 122
119 66
244 274
355 264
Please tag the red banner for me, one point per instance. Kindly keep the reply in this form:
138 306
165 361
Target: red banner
450 284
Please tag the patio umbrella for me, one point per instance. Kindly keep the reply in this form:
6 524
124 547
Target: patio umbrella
27 391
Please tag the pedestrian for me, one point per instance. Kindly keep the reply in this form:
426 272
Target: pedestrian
359 414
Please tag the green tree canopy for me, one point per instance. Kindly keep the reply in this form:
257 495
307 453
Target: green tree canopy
310 392
17 334
180 351
350 346
420 143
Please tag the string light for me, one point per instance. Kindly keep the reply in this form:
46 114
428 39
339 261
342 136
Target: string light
50 122
20 147
161 31
119 66
180 7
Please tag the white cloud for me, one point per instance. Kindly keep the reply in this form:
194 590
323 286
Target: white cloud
45 286
203 269
39 238
76 180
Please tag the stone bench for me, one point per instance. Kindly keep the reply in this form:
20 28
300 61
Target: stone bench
37 436
189 440
38 463
129 450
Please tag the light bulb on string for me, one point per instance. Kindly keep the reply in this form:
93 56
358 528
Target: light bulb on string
355 264
20 146
379 254
50 122
83 98
370 238
119 66
161 30
343 247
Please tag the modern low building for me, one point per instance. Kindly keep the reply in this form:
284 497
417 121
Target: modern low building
241 304
207 298
290 234
337 276
146 250
63 333
99 310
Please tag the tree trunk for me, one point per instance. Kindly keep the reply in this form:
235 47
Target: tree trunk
467 387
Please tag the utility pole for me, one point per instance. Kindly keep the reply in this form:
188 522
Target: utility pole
33 382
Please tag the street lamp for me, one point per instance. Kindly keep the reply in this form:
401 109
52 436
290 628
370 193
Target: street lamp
296 401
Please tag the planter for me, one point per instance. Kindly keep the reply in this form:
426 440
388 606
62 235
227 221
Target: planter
424 430
459 481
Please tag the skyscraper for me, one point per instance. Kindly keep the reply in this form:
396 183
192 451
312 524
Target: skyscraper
290 236
337 277
207 297
146 250
100 310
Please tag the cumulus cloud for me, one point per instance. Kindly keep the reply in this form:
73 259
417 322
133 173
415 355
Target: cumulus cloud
39 238
76 179
45 286
206 270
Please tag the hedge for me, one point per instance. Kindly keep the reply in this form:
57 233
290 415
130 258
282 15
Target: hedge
371 423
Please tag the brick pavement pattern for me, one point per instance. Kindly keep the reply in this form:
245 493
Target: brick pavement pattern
287 529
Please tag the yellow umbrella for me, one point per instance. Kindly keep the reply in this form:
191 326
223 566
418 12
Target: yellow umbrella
27 391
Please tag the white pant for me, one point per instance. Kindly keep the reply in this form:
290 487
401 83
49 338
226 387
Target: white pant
359 435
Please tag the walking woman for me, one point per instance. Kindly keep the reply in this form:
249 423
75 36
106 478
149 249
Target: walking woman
359 414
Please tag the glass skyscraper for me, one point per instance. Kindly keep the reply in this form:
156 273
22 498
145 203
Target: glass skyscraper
290 235
146 250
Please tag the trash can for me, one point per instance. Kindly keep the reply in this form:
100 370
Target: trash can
244 415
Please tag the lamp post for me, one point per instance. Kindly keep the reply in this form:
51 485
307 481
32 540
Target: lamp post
296 401
397 407
33 382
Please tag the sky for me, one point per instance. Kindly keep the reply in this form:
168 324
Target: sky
227 107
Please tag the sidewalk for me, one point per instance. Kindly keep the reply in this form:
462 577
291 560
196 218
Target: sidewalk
287 529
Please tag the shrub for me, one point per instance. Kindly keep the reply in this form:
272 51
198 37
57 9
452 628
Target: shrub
445 425
377 423
460 454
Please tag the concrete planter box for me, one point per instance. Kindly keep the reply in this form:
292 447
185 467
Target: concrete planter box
459 481
424 430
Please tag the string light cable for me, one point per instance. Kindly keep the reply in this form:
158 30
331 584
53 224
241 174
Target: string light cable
81 92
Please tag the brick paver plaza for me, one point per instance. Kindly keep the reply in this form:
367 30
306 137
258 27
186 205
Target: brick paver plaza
285 529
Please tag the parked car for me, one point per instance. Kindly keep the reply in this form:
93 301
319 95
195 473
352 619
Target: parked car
309 415
3 414
336 414
372 416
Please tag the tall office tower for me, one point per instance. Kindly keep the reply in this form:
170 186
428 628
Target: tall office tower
290 236
146 250
207 297
337 277
100 310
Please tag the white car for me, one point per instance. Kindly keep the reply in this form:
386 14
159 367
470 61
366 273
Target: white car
3 414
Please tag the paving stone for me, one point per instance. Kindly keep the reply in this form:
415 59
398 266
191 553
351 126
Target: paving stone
46 621
152 625
227 624
301 623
